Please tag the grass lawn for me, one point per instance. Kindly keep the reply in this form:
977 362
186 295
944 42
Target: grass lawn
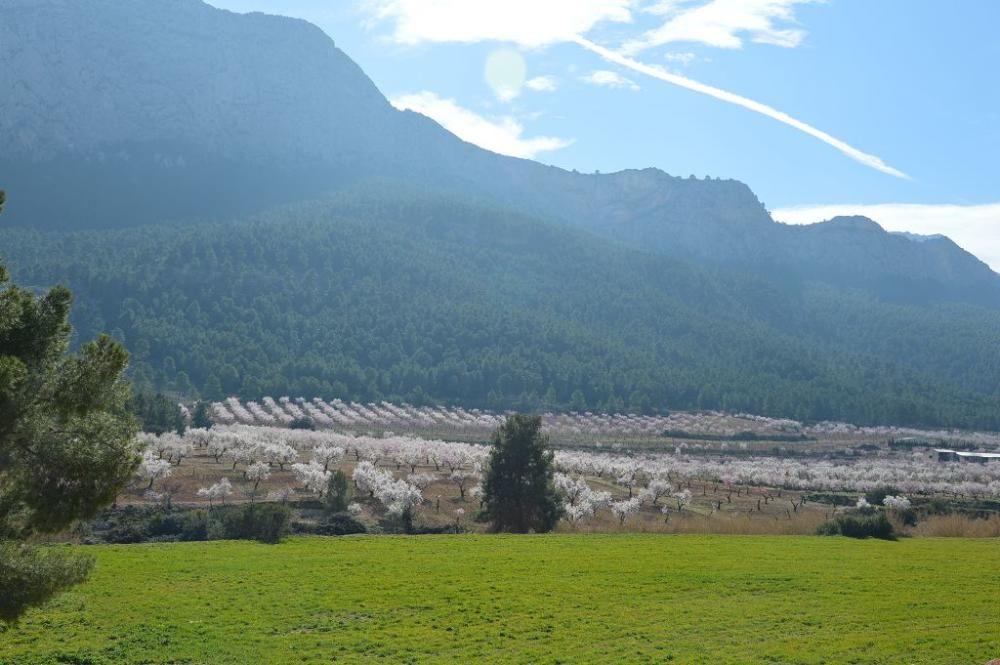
534 599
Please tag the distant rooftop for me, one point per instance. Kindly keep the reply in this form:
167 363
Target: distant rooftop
968 454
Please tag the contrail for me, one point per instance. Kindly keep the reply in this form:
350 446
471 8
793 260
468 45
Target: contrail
684 82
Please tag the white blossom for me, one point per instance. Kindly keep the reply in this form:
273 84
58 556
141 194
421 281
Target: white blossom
152 468
622 509
219 490
313 476
896 503
257 473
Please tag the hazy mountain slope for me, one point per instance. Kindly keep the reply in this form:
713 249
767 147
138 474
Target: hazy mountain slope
409 298
121 112
138 111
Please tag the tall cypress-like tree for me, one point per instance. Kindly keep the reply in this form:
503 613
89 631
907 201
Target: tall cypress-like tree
67 440
201 417
519 491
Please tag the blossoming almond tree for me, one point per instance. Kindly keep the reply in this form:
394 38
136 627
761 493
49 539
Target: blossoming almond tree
623 509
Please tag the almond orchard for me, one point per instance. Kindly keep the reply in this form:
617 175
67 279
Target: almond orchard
698 472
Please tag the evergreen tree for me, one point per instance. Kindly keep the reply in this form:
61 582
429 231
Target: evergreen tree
519 491
200 417
157 413
66 440
338 492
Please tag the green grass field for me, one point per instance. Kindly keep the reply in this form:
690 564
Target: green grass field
535 599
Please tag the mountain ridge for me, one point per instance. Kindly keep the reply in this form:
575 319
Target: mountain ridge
227 114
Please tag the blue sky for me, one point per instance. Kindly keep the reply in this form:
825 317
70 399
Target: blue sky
898 86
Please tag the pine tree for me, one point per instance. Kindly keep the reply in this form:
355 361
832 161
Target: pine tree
66 440
519 491
201 417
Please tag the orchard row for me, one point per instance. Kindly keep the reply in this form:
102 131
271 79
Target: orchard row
478 425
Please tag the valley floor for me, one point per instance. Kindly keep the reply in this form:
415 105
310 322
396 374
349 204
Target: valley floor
519 599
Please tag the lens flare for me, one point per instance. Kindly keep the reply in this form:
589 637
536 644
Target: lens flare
505 73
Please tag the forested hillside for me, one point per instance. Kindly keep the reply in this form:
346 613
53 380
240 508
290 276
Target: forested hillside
379 296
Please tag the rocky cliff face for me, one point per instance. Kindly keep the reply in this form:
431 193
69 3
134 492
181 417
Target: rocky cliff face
124 112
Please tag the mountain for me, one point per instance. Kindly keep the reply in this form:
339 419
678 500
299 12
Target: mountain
385 296
233 197
145 111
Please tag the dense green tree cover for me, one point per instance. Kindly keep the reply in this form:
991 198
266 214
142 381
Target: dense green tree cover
66 439
157 413
415 299
519 493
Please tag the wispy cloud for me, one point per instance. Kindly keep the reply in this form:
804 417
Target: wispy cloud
974 227
533 23
723 24
731 97
542 84
684 58
609 79
530 23
504 135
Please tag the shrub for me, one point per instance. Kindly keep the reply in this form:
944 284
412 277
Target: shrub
832 498
876 496
401 523
858 526
908 517
335 525
428 530
120 527
305 422
164 525
263 522
938 506
195 526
